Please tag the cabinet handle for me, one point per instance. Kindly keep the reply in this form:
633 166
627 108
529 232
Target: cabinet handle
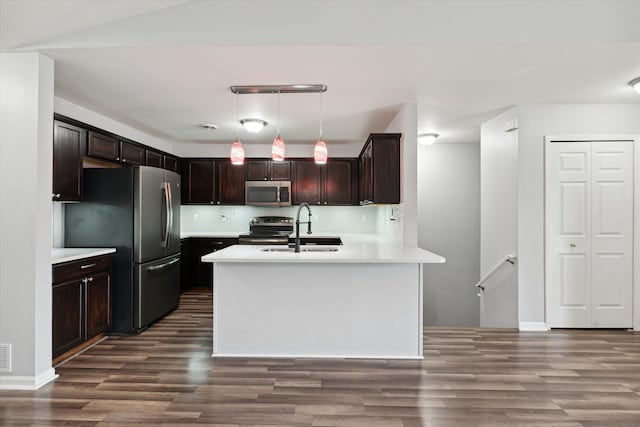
218 201
117 158
82 267
325 203
55 196
211 202
318 202
124 160
265 178
89 279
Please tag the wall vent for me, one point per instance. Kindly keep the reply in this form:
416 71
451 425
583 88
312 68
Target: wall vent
5 357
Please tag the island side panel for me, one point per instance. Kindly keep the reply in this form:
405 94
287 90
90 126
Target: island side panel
318 310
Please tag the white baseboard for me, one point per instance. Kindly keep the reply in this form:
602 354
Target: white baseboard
533 326
8 382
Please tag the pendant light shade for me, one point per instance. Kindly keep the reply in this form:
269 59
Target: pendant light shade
278 149
237 153
320 154
237 150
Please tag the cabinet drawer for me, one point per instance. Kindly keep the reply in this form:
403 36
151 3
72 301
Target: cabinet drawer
80 268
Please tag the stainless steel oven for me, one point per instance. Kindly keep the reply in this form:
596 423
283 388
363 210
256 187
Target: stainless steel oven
268 193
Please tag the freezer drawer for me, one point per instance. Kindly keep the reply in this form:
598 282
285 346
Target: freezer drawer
156 290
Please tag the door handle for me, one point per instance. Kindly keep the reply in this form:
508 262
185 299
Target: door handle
161 266
170 213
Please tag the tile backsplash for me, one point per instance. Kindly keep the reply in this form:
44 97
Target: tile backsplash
339 219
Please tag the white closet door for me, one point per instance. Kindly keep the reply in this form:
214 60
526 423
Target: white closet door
612 228
589 234
569 234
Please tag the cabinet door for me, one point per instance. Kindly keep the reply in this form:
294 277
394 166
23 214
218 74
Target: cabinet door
338 182
131 154
154 159
98 300
366 177
306 182
257 170
68 143
67 316
231 183
102 146
198 182
280 171
385 168
172 164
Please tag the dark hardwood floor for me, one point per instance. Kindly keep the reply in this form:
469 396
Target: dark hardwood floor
469 377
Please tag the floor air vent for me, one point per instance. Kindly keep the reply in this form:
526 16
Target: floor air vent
5 357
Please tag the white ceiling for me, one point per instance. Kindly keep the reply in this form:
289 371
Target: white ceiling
166 66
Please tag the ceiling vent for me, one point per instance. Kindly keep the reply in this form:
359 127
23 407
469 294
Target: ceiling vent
5 357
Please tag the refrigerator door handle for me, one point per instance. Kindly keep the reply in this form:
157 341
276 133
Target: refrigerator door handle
167 207
170 228
161 266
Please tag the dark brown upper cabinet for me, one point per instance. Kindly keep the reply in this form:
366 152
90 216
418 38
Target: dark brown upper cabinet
103 146
172 164
230 183
68 148
306 183
131 154
268 170
379 165
332 184
340 182
155 159
199 182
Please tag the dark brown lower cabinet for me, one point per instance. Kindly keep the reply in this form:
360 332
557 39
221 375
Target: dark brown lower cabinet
195 272
81 303
67 320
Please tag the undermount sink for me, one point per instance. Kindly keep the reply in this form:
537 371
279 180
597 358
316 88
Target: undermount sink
313 249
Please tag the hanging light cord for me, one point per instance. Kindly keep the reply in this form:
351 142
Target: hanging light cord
320 116
278 113
237 122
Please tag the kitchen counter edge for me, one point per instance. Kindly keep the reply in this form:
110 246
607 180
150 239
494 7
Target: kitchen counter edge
60 255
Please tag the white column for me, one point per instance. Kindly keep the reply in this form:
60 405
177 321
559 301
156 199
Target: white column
26 134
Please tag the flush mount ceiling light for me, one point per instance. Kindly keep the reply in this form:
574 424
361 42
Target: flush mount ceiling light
427 138
635 84
209 126
253 125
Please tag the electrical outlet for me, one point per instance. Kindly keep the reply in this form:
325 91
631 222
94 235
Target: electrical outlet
196 217
364 219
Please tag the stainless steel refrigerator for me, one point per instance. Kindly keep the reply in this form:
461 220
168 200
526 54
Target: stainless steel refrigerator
137 211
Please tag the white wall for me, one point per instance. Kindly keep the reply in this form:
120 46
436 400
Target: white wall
449 225
536 121
499 219
26 132
406 227
77 112
235 219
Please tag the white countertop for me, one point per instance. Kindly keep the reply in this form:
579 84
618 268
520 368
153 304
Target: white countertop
356 248
59 255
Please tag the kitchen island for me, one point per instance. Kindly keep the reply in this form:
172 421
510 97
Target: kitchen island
361 299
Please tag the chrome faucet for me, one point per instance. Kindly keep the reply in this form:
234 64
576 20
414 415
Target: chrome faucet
302 205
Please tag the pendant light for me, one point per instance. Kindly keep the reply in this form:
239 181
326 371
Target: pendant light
237 150
320 153
278 148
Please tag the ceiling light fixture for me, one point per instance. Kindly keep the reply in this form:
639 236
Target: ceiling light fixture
237 150
320 153
253 125
427 138
635 84
278 147
209 126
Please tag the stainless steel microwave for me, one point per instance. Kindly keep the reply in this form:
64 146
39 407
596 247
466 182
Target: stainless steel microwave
268 193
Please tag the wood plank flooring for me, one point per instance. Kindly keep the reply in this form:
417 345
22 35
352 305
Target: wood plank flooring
469 377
